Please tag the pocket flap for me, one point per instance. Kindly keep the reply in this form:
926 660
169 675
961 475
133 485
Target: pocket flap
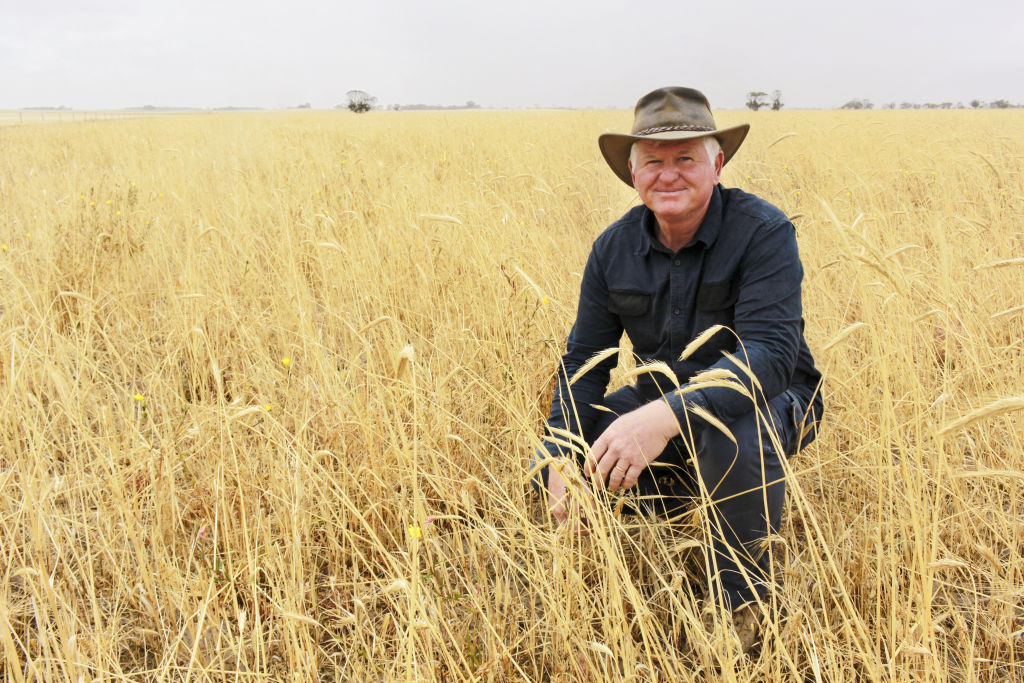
713 296
629 303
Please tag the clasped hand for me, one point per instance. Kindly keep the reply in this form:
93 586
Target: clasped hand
621 454
617 458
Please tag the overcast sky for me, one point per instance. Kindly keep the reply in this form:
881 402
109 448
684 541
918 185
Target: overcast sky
550 53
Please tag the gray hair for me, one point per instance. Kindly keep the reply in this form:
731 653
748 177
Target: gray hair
711 145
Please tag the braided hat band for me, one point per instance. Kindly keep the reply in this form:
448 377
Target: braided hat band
665 129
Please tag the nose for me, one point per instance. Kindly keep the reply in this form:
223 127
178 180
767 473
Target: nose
668 173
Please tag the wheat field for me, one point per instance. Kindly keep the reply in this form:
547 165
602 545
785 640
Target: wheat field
270 383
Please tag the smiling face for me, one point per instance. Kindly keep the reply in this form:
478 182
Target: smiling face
675 180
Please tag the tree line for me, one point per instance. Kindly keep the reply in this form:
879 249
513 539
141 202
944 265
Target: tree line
973 104
360 101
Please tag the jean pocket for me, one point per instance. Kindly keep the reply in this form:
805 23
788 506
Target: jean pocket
805 424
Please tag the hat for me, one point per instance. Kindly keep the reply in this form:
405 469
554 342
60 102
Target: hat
669 114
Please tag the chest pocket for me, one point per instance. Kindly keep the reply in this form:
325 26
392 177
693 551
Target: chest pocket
717 296
715 302
634 309
629 303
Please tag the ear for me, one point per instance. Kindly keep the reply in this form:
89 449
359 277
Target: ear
719 163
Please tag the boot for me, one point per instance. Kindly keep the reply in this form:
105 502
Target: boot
746 621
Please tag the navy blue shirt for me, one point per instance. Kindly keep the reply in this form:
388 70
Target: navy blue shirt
741 270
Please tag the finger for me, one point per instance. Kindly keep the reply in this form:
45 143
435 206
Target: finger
558 496
630 478
597 451
560 514
573 518
606 467
560 507
617 475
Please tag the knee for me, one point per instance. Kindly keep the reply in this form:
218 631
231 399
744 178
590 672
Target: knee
742 460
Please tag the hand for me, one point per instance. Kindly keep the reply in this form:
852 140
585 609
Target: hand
630 444
562 506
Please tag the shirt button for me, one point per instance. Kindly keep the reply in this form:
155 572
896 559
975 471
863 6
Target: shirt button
677 262
675 312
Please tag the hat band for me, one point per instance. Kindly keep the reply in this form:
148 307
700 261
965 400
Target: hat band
666 129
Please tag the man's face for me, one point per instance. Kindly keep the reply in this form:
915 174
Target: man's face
675 179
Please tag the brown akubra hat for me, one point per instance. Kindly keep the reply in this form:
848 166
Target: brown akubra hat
669 114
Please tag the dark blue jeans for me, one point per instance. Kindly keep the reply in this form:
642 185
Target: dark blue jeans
744 481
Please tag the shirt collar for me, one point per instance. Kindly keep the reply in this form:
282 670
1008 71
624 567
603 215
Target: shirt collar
706 234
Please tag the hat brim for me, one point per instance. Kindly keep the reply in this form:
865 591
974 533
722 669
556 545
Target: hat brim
616 146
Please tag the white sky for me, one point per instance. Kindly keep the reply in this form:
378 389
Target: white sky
575 53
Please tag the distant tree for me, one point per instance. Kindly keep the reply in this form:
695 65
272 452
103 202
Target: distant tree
999 104
776 100
946 105
975 103
305 105
858 104
889 105
755 100
360 101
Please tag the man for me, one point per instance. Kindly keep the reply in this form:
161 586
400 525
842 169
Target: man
693 256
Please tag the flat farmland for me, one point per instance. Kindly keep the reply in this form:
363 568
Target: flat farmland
270 382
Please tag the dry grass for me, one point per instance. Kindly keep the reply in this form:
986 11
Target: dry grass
178 501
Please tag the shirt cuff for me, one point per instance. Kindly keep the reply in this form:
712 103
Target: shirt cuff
680 403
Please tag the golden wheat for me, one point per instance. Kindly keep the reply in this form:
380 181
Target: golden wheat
270 384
